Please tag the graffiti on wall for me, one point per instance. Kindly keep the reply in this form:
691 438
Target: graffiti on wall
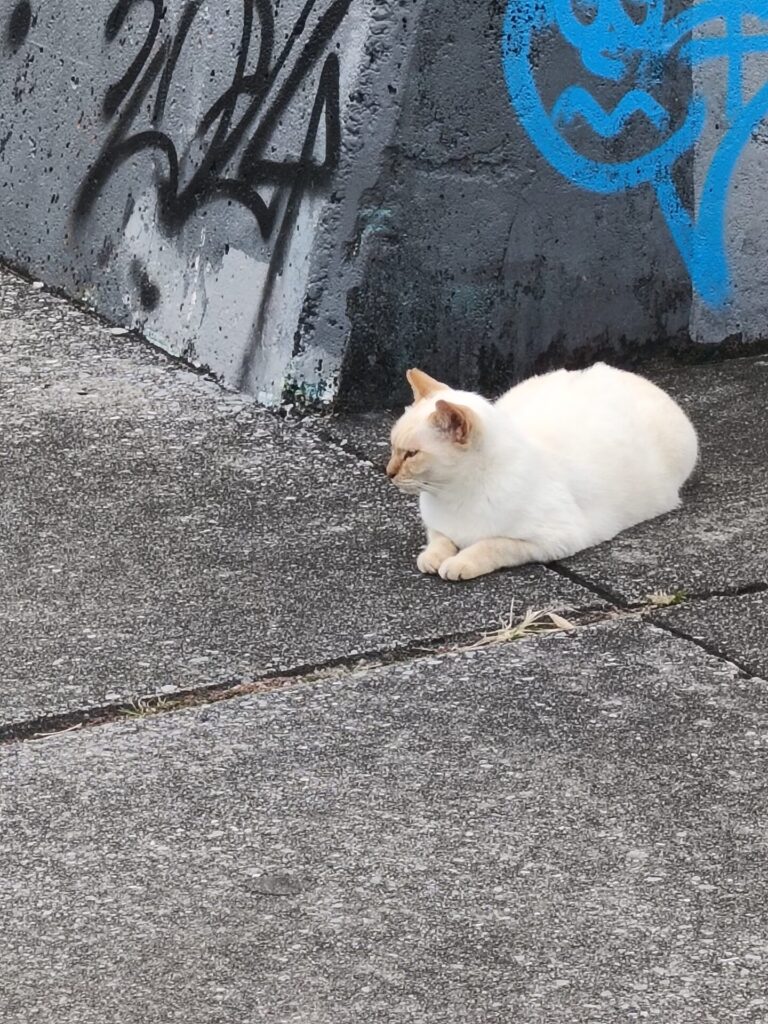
626 49
228 155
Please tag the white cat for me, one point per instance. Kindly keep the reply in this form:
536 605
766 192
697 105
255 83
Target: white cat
557 464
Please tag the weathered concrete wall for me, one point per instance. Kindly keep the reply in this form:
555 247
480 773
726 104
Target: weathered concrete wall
193 168
309 195
595 191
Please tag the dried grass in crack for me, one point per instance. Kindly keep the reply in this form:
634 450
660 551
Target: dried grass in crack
533 623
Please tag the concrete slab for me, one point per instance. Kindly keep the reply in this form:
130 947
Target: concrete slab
719 539
157 532
564 831
366 434
737 627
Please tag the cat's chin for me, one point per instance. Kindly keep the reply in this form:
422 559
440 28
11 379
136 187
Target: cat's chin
409 488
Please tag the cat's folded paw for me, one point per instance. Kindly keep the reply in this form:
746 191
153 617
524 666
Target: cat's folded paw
429 561
460 567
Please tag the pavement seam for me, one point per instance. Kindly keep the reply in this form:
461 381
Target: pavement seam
745 591
153 703
745 670
340 445
603 592
613 597
56 723
346 666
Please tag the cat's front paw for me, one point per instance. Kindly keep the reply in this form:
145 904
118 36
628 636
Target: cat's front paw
461 567
430 560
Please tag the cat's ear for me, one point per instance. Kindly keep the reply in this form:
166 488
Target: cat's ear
423 385
457 421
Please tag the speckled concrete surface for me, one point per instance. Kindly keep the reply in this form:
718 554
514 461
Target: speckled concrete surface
158 532
569 829
736 627
563 830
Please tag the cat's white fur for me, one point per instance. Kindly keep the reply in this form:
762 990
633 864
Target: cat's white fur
559 463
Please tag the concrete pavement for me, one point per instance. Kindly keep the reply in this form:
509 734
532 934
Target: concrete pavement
255 768
157 532
564 829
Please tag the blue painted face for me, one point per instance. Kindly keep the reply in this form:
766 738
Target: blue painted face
633 44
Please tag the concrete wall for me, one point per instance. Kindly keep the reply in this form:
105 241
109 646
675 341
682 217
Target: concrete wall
193 168
307 196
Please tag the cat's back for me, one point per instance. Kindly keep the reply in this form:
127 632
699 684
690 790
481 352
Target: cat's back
536 392
601 410
576 387
583 396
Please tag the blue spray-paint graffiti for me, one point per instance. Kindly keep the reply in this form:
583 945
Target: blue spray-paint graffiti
633 43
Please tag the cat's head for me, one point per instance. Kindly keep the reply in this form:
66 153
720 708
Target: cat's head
434 440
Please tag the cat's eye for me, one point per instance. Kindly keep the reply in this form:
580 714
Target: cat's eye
410 454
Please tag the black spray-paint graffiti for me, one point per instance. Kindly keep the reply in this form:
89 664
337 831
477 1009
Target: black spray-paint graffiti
19 24
233 134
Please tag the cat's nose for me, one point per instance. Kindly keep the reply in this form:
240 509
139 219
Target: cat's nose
392 469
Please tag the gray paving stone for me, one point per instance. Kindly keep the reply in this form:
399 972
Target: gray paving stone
737 627
367 434
569 830
158 532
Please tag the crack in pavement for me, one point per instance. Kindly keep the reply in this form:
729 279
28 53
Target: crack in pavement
345 667
747 671
155 703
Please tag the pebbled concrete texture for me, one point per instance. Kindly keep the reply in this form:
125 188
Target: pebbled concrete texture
569 829
227 262
737 627
562 830
375 201
158 533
